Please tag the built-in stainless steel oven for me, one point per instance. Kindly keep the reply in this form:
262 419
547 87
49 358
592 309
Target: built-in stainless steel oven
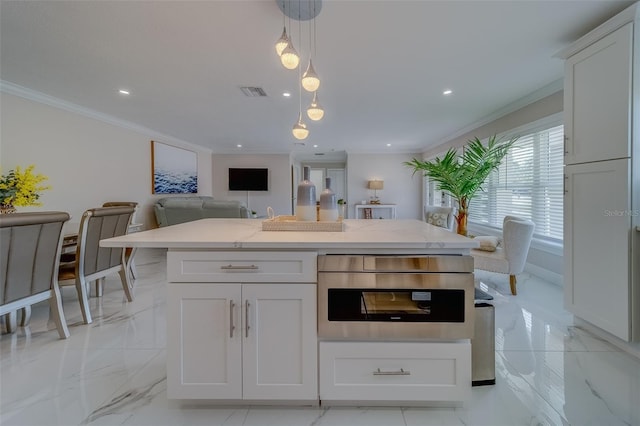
404 297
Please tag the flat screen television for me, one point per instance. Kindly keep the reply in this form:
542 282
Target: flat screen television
248 179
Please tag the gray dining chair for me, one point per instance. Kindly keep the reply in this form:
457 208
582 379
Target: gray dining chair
30 245
94 263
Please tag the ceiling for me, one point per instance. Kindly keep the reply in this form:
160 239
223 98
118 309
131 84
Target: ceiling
383 65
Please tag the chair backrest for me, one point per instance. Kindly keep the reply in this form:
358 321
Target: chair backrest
98 224
121 204
29 253
440 216
517 233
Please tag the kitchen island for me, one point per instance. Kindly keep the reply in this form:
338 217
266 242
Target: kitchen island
242 313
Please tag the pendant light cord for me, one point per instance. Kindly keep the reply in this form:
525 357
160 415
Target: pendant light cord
315 51
299 68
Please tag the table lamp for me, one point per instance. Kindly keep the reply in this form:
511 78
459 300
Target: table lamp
375 185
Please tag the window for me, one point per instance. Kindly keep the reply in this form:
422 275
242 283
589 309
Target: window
528 183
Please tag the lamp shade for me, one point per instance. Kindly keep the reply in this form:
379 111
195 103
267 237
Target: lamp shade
375 184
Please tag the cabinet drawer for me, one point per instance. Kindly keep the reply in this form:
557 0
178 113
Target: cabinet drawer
207 266
393 371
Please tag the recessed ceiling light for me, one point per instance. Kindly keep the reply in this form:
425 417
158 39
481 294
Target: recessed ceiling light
315 146
239 146
286 94
388 144
124 92
447 92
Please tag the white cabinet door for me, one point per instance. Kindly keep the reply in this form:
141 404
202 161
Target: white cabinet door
597 99
597 244
279 341
204 346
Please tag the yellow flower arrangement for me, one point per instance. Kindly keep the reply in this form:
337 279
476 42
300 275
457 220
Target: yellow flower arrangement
22 188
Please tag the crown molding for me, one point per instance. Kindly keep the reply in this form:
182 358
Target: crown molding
33 95
539 94
630 14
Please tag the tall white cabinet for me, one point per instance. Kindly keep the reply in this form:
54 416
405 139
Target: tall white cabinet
602 173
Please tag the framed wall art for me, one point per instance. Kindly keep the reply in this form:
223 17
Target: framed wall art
174 170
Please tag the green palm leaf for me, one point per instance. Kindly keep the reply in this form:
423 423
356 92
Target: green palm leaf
463 176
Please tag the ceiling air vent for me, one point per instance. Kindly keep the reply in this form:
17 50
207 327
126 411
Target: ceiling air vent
253 92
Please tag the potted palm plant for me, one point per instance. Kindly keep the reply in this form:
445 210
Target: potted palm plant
463 176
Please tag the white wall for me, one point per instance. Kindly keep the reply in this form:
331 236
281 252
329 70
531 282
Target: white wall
541 108
87 160
279 194
400 187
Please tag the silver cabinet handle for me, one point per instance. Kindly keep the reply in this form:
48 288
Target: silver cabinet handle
231 326
238 267
246 317
402 372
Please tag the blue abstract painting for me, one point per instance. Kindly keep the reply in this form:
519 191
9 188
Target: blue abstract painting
175 170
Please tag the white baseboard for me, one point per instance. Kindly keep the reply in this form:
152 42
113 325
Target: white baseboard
545 274
632 348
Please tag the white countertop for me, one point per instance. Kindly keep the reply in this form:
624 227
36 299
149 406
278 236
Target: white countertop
248 234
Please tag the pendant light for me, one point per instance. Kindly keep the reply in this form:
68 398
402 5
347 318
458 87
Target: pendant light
315 111
300 130
289 57
283 41
310 80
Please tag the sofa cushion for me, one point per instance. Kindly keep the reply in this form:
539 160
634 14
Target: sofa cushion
182 214
221 209
174 210
183 202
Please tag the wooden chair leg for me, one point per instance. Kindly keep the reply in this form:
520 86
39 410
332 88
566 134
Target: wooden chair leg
512 283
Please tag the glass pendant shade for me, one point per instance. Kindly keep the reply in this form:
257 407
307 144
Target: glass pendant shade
289 57
300 130
282 42
310 80
315 111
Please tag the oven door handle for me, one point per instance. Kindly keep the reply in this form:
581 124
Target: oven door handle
402 372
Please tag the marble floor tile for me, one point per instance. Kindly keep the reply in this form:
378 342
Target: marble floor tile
112 372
